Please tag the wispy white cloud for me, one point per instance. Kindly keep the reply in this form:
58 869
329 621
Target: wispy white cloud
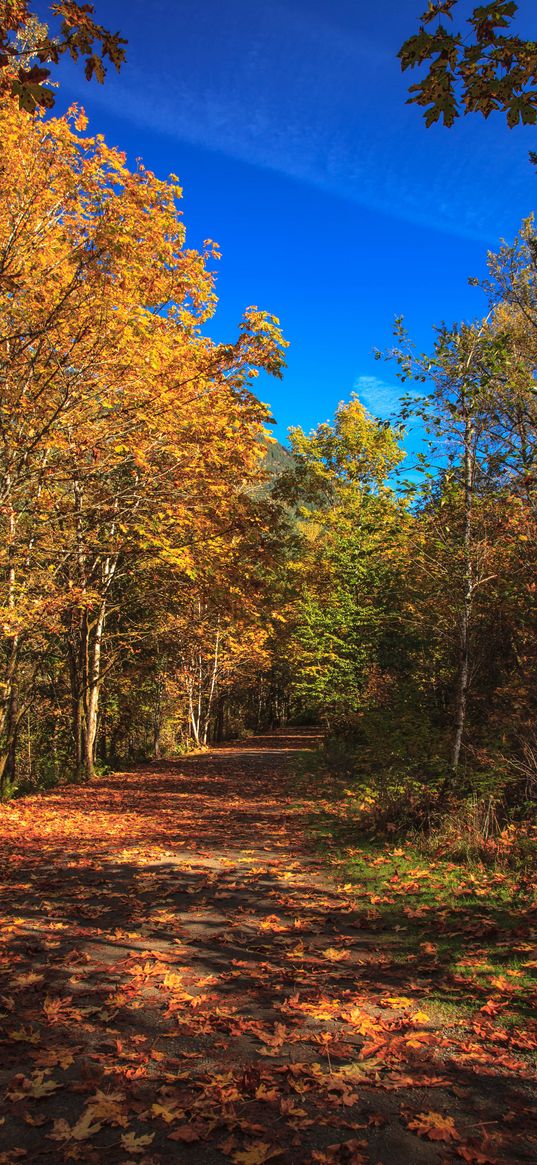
285 89
379 396
382 400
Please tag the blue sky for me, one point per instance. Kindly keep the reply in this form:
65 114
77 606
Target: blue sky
333 205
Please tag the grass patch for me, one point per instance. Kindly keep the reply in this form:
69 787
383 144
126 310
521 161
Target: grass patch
463 929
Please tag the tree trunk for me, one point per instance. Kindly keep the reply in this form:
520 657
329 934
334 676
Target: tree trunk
212 687
461 700
9 704
93 649
194 719
462 685
11 735
157 720
89 731
9 719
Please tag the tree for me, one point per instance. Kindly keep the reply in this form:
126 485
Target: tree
124 429
476 413
350 522
27 49
491 70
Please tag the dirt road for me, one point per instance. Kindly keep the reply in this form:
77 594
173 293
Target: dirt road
182 981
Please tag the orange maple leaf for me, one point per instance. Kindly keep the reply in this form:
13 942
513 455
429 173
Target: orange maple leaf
256 1153
474 1156
348 1151
434 1126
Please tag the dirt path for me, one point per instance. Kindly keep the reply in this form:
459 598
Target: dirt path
181 981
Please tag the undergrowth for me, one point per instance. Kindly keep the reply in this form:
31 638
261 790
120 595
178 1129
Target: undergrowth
461 913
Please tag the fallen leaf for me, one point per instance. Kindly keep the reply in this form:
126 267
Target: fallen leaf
256 1153
434 1126
134 1144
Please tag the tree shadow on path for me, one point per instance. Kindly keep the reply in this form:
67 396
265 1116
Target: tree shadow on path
181 980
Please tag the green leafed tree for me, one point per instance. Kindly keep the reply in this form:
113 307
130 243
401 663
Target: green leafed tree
351 524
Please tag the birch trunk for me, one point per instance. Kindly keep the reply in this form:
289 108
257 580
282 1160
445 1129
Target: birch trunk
461 699
212 687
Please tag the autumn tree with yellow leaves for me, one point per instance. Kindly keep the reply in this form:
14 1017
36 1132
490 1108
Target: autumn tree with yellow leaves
125 430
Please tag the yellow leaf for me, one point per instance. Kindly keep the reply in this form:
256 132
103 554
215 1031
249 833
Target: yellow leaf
86 1126
434 1126
335 955
133 1144
396 1001
167 1113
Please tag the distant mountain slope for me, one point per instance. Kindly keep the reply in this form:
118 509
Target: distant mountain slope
278 458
